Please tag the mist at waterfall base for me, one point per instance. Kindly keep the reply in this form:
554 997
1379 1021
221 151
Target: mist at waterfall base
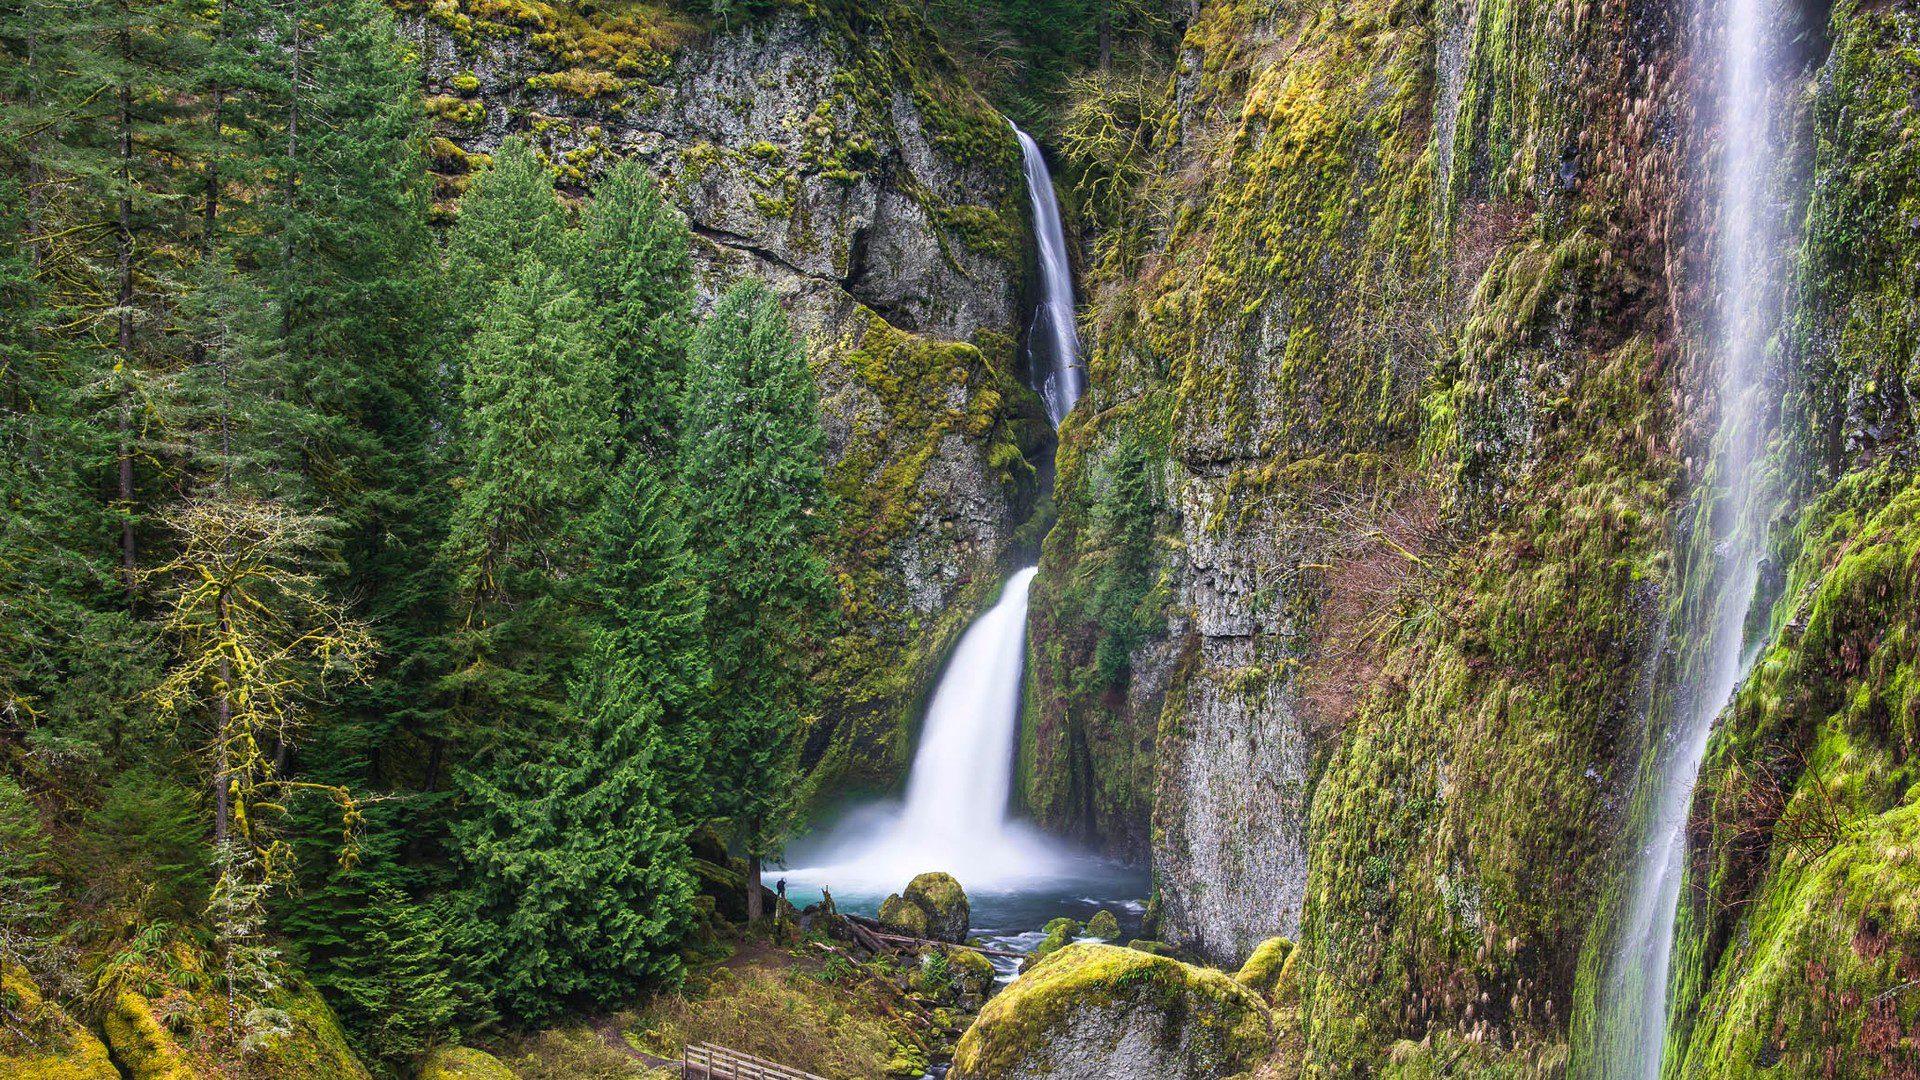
954 818
1633 1005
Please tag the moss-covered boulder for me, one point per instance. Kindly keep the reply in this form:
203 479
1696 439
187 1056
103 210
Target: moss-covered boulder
51 1046
1060 934
143 1046
309 1046
934 906
1100 1012
1157 948
1262 971
1103 926
972 971
463 1063
945 902
903 916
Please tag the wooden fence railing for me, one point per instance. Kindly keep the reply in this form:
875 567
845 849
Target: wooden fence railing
702 1061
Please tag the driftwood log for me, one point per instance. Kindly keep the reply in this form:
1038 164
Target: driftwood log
874 928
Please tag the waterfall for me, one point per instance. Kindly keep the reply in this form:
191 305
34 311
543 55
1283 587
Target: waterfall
1063 381
955 816
1634 1003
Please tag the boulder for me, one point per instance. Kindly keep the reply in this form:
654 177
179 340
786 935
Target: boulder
1263 970
1060 934
1101 1012
903 916
310 1046
463 1063
945 902
972 971
934 906
60 1048
1103 926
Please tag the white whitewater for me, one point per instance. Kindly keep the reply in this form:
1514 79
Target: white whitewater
955 816
1063 381
1634 1010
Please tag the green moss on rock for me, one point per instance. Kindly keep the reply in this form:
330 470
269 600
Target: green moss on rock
1103 925
145 1049
463 1063
945 903
1262 971
903 916
972 971
48 1044
1082 1012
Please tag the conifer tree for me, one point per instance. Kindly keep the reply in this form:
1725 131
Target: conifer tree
509 217
753 452
577 874
651 604
26 892
639 276
537 435
394 990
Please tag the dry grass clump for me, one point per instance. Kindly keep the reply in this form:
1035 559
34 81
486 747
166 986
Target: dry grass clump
574 1053
785 1016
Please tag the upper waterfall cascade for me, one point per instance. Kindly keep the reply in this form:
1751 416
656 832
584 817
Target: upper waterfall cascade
1634 1003
1063 381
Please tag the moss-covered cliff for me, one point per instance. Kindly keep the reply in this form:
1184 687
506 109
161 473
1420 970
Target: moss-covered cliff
1379 558
833 150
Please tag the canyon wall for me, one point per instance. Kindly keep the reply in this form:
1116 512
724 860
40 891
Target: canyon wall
832 151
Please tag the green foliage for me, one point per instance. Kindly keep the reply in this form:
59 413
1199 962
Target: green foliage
147 840
26 890
753 452
573 864
639 278
509 219
652 605
537 442
394 989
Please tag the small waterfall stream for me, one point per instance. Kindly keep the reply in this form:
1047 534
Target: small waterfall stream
1634 1006
1061 383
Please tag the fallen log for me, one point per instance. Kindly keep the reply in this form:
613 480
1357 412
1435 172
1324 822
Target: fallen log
879 930
893 991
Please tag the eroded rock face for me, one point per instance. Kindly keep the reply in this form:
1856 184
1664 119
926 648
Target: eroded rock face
1100 1012
850 168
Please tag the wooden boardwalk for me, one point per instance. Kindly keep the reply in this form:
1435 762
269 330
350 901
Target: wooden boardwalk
706 1062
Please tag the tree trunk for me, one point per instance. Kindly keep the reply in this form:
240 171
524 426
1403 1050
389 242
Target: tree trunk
754 912
1106 37
124 249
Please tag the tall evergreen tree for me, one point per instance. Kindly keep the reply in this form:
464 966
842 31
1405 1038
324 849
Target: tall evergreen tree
651 604
574 865
394 990
638 273
753 451
509 217
537 435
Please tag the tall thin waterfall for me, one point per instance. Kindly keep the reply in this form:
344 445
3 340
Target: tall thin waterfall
955 817
1634 1007
1063 381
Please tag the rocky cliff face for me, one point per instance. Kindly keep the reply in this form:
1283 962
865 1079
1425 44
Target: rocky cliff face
833 152
1376 561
